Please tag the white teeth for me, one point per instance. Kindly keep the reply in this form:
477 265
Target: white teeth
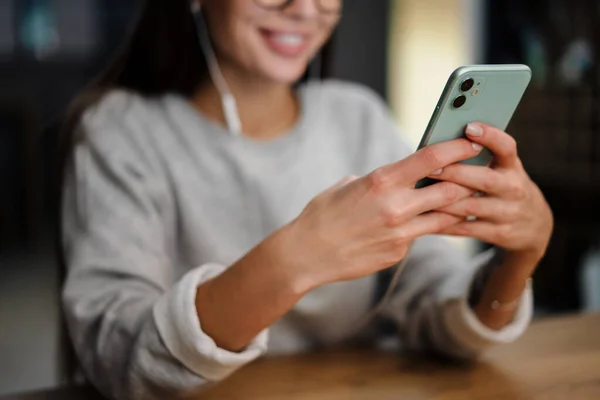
288 39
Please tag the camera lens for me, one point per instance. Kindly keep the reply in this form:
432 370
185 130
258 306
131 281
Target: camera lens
459 101
467 85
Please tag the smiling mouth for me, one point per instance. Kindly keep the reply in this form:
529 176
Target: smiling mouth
287 44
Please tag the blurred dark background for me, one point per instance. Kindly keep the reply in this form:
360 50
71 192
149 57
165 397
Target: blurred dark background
49 49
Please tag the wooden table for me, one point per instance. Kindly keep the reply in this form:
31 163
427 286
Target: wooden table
556 359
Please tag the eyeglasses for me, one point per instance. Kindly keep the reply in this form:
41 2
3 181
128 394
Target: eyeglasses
325 6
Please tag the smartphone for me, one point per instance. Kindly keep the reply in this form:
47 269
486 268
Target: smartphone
476 93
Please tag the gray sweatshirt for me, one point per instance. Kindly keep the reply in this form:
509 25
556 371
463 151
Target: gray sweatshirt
163 199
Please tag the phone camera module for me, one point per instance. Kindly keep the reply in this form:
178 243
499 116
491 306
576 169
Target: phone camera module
459 101
467 85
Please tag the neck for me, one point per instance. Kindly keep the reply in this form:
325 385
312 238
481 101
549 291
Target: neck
266 109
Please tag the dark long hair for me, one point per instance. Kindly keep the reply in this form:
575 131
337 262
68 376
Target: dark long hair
161 55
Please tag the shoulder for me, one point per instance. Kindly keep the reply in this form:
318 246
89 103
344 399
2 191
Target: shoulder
119 124
117 108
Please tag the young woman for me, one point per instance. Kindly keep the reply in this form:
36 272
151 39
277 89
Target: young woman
207 220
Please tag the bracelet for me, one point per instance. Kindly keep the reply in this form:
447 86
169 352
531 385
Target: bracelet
504 307
509 306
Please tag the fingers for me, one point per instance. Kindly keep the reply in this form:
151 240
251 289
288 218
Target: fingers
438 196
501 144
427 161
487 232
482 179
485 208
427 224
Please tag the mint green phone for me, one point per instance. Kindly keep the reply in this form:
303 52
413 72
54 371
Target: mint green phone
476 93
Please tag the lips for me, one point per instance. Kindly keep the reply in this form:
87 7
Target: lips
286 44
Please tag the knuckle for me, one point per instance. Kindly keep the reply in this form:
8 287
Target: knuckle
490 182
377 181
441 223
432 157
511 145
472 208
463 230
450 192
515 213
517 189
466 148
391 216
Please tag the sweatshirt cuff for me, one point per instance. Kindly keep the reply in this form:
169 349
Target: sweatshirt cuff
180 329
462 322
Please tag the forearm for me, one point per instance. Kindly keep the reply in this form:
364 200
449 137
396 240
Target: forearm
505 284
250 296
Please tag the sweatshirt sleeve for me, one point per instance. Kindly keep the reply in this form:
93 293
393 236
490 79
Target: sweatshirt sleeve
430 306
134 327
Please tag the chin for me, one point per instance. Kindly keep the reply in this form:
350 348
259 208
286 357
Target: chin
287 77
287 73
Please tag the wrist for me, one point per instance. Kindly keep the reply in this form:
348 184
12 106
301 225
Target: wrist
505 282
496 308
520 264
286 257
251 295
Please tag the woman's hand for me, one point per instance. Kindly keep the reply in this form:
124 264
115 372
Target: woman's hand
512 213
364 225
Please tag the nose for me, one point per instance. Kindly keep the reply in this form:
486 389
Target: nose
302 9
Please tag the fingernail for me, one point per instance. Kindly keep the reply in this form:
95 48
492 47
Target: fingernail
474 130
438 172
477 147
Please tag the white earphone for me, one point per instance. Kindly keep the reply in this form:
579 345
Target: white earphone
232 117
